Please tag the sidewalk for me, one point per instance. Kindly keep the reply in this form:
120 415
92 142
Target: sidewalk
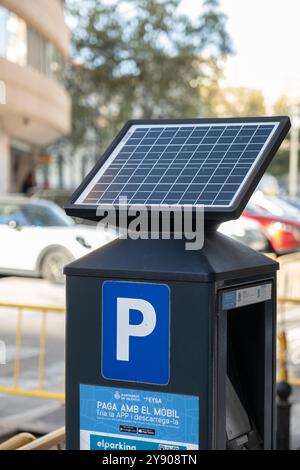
295 418
31 291
19 413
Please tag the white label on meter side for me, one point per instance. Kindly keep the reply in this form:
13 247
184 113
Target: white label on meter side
248 296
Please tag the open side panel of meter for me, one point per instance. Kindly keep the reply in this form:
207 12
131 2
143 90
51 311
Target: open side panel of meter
214 163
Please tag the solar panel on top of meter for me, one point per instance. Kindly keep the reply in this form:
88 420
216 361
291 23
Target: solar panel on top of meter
179 164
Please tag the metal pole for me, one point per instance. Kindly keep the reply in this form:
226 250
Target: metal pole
294 153
283 416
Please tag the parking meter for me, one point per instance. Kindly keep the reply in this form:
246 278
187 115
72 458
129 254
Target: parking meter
170 348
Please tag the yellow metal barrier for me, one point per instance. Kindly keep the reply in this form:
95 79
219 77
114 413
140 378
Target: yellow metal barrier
53 439
17 441
282 374
289 300
40 391
26 441
16 389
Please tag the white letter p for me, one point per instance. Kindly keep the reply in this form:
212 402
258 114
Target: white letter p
125 330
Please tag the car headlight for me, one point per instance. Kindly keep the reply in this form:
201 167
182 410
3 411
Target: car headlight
83 242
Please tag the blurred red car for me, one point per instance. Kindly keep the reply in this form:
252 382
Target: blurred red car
283 232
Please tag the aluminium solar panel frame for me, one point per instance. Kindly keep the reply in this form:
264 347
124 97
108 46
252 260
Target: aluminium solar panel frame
212 214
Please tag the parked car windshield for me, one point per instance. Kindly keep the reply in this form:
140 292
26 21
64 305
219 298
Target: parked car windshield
12 213
37 215
46 216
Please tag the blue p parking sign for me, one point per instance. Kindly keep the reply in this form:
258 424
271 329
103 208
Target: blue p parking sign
136 332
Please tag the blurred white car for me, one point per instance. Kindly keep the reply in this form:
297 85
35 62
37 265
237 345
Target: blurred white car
275 205
38 239
247 231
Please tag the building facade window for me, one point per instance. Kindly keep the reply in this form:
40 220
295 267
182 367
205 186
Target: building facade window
3 31
16 46
23 45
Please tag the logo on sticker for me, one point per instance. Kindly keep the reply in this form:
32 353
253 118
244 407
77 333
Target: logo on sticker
136 332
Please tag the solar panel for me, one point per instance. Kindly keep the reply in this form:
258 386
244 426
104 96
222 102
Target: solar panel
201 162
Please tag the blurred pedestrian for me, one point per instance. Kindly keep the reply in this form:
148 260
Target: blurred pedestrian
29 184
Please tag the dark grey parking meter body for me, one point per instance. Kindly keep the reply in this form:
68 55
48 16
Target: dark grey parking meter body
208 342
172 349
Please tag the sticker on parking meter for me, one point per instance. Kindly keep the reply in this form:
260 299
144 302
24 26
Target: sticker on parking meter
124 419
136 332
250 295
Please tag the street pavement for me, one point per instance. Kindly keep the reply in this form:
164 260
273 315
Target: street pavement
290 322
31 291
18 413
295 418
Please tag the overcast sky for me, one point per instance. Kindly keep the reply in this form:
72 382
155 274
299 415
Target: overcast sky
266 38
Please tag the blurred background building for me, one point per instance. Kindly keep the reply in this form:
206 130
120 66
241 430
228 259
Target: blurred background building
34 46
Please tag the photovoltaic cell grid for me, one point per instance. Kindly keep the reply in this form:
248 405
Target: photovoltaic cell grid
179 164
